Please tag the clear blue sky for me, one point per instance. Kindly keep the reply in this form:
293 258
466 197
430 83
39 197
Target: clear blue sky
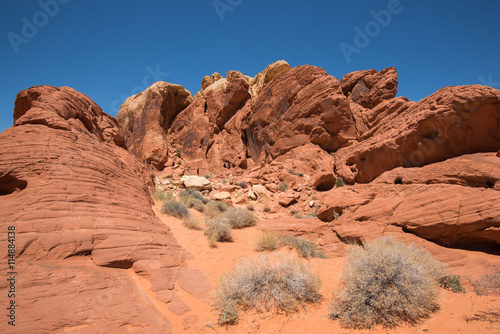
106 49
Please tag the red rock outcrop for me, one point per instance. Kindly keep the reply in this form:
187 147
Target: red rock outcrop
370 88
450 215
298 106
81 207
451 122
146 117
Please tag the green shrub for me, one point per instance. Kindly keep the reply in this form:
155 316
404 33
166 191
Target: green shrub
191 222
187 194
268 241
387 283
175 209
239 218
265 282
195 203
452 283
283 186
339 182
162 196
304 248
218 229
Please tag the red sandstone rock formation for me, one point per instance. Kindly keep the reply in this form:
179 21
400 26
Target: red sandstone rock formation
81 207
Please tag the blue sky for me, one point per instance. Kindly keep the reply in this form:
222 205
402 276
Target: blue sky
112 49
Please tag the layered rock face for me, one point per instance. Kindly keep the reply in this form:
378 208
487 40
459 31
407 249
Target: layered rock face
85 230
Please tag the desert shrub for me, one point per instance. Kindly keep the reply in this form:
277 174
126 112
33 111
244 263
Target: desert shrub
250 207
178 152
239 218
387 283
195 203
339 182
175 209
207 175
265 282
268 241
487 284
305 248
162 195
243 184
293 172
187 194
295 213
267 208
452 283
218 229
191 222
215 208
283 186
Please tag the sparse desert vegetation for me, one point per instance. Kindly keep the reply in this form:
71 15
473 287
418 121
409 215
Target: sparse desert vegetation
175 209
387 283
265 282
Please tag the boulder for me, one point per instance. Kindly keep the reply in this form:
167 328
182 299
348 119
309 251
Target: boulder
221 196
287 199
262 78
371 88
146 117
196 182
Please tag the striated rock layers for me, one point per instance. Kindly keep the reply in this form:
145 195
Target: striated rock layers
85 230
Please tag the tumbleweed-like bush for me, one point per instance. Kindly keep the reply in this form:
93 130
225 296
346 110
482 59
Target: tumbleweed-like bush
265 282
387 283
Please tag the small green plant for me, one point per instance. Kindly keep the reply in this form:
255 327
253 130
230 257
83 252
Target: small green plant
243 184
191 222
187 194
268 241
333 154
175 209
387 283
178 152
339 182
239 218
196 204
305 248
452 283
265 282
218 229
267 208
295 213
293 172
250 207
283 186
162 195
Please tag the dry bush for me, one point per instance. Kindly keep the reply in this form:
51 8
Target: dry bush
192 223
387 283
218 229
268 241
215 208
196 203
239 218
162 195
487 284
265 282
175 209
305 248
